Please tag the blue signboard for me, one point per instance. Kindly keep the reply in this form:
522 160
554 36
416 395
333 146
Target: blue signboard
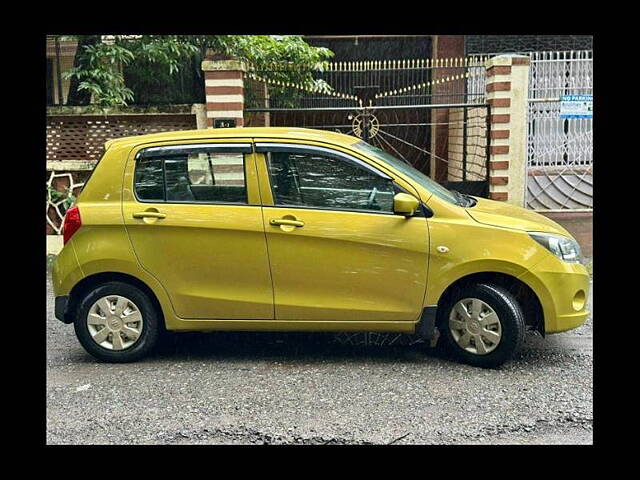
576 106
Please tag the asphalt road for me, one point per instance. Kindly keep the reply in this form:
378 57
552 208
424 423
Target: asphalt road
250 388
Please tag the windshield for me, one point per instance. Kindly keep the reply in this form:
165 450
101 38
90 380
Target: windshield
403 167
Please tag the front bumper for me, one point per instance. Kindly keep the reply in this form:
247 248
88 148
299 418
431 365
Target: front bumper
563 291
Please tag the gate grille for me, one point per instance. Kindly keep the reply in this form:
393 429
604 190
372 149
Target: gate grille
559 151
431 114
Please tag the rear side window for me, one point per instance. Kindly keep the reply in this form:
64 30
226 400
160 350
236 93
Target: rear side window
191 176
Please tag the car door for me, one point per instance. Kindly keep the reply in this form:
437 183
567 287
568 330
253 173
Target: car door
336 249
193 215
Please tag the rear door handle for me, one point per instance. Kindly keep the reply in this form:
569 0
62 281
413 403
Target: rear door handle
149 215
285 221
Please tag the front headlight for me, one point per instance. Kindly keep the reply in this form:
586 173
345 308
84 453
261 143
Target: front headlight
562 247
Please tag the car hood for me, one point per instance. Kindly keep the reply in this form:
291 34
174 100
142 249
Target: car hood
500 214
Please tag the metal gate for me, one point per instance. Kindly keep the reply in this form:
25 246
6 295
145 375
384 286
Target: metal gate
560 150
432 115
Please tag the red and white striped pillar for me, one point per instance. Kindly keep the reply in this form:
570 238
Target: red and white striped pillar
224 90
507 88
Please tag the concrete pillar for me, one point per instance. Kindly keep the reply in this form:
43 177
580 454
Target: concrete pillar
224 89
507 88
200 111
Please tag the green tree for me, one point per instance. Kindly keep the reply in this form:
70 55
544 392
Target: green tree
98 67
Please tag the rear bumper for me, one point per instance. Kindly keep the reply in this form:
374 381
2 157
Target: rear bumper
61 304
563 291
65 272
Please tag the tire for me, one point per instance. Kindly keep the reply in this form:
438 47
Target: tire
130 347
480 332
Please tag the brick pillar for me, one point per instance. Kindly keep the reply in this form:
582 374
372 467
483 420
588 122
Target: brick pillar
224 88
507 92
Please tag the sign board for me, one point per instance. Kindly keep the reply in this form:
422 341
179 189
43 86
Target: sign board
576 106
224 122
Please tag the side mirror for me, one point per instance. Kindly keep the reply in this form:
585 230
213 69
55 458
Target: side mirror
405 204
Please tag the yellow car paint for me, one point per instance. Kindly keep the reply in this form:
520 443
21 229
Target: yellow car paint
212 258
227 267
562 289
341 265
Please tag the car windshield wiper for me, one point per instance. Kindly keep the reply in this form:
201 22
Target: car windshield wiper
464 199
462 202
472 201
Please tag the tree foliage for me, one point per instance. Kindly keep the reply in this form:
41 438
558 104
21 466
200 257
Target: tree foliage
98 67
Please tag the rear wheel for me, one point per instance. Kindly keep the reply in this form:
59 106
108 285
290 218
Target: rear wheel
116 322
481 324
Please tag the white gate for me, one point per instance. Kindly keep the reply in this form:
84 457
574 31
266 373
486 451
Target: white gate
560 151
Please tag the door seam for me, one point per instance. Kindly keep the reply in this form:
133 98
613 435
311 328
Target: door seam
264 228
126 230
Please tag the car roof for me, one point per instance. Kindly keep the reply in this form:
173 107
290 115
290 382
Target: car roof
250 132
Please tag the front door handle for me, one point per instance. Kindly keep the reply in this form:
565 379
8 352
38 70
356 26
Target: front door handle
149 215
286 221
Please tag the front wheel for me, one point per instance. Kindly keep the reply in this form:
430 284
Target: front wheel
116 322
481 324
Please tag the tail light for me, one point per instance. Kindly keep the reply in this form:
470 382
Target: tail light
71 224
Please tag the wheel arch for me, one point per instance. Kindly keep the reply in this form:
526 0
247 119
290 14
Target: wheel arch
523 293
90 281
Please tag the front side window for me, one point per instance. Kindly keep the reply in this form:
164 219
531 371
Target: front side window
315 180
193 177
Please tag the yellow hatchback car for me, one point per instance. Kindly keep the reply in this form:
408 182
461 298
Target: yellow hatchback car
285 229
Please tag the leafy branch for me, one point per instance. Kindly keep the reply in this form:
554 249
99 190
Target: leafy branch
67 197
98 67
